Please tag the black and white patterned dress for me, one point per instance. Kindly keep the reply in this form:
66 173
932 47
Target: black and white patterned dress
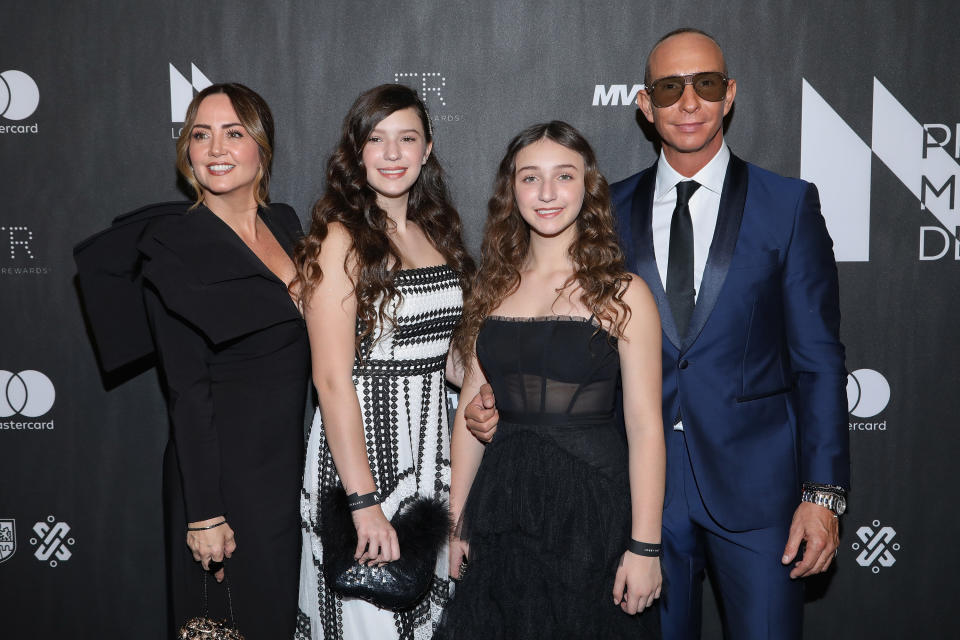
401 388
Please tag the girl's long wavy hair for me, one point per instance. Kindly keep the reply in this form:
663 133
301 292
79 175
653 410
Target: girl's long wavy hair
599 265
350 200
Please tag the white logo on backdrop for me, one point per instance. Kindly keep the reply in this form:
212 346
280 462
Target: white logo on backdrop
8 538
615 95
16 253
876 546
839 162
429 84
28 393
19 95
868 393
19 238
181 90
52 542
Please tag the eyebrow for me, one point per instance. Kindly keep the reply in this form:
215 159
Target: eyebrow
559 166
416 131
223 126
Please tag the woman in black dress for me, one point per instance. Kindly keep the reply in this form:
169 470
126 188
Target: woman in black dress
560 515
233 351
204 286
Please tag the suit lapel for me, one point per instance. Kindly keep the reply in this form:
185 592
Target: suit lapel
721 247
646 259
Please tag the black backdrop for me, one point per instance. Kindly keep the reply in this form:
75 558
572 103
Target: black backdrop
91 94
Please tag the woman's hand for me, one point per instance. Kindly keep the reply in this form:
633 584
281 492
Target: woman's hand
211 544
638 582
459 554
376 540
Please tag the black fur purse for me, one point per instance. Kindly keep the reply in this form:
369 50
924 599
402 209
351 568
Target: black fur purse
422 528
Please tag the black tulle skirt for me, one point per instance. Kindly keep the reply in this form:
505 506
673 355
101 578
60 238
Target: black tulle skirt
547 519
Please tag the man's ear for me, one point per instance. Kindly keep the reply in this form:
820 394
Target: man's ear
646 106
731 94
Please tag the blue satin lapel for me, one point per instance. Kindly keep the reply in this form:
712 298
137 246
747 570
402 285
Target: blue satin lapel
725 235
646 259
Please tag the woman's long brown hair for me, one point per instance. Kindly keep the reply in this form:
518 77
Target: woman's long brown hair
349 200
599 266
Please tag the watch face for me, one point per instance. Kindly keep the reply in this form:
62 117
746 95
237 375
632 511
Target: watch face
841 506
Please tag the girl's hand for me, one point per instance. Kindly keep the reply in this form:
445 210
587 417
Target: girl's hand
638 582
376 540
459 554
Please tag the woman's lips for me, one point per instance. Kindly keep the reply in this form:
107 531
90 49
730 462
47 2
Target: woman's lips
548 212
220 169
393 172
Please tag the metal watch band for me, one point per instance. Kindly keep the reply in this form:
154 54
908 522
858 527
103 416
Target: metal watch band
830 500
828 488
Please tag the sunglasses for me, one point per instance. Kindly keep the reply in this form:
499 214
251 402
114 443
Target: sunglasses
709 85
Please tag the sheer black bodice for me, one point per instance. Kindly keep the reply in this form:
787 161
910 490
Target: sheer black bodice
555 369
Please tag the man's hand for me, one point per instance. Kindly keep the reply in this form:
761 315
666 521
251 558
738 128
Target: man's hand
821 529
481 414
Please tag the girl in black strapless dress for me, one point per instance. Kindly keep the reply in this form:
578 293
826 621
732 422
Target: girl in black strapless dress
545 515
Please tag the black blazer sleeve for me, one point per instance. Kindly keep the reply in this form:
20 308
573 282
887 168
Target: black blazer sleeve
183 361
183 354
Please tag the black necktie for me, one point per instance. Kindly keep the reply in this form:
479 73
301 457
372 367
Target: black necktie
680 291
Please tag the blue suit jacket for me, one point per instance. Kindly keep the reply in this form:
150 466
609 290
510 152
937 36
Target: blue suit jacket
759 379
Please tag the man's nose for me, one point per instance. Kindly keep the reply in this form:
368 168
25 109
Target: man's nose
689 100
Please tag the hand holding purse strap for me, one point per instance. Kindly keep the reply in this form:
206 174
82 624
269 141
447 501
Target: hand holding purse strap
206 629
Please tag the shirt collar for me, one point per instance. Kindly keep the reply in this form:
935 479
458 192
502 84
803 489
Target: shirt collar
711 176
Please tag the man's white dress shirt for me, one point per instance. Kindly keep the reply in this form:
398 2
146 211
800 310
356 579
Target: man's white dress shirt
704 207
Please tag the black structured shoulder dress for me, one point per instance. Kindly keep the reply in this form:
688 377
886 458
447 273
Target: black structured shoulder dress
548 514
234 355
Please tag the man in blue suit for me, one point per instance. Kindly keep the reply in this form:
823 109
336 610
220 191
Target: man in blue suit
742 268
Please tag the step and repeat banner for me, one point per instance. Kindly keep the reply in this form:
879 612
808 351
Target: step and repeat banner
860 97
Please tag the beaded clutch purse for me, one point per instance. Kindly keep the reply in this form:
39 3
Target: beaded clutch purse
205 628
422 528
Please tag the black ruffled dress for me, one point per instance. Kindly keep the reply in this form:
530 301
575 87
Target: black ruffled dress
548 515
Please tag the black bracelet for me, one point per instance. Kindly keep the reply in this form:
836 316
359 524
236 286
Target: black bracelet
646 549
356 502
212 526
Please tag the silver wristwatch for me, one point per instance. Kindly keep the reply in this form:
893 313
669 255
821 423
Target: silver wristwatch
835 501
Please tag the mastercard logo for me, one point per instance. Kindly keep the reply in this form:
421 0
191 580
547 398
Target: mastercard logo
19 95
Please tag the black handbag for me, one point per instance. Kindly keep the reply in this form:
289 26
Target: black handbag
422 528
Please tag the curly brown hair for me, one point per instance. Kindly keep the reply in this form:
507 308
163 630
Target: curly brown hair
599 265
349 200
254 114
